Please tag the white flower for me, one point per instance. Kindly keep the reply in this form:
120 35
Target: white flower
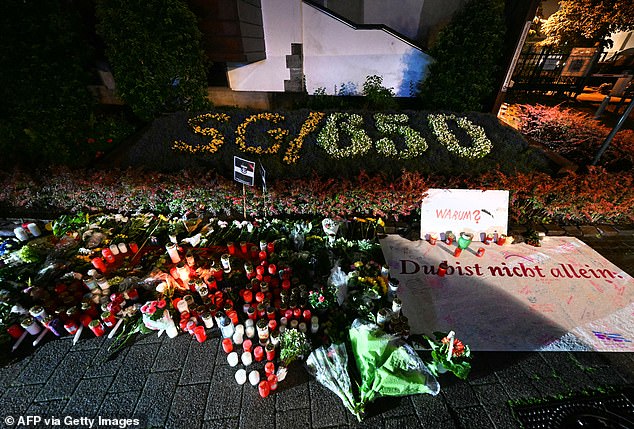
328 138
481 144
223 224
250 227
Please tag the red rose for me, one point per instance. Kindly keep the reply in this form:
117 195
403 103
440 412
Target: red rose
161 304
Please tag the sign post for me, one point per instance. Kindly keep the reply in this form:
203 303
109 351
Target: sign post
244 172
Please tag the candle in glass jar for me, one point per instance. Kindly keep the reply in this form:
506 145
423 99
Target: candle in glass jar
200 334
31 326
134 248
270 352
480 252
241 376
270 247
254 377
231 248
262 255
247 345
457 252
97 328
264 389
272 380
442 269
108 319
122 248
227 345
237 338
172 251
225 260
34 229
108 255
21 234
232 359
246 358
114 249
258 353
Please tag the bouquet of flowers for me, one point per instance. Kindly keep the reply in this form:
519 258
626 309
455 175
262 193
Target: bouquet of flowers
449 355
322 298
293 346
156 316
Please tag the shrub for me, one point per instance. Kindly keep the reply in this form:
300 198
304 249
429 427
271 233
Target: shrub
467 56
573 134
45 101
378 97
154 48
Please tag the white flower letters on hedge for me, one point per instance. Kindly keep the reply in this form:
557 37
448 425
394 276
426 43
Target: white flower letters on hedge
393 124
328 138
481 144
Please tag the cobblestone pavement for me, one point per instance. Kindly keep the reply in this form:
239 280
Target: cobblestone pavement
180 383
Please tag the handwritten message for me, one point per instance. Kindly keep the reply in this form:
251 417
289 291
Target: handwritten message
464 210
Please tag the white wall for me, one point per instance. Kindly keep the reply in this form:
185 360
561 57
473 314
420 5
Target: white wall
282 22
334 53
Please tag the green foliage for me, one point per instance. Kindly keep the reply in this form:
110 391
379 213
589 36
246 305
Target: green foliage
45 101
378 96
467 56
585 22
154 48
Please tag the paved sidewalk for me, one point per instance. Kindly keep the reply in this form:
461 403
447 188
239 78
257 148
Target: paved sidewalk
180 383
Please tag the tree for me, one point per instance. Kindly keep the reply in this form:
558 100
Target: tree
585 22
44 64
155 51
467 58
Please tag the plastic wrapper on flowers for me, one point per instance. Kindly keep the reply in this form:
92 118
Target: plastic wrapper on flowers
388 365
330 367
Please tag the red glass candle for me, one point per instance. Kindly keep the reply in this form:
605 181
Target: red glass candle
270 355
269 367
272 381
244 247
133 247
252 314
247 296
227 345
253 252
480 252
262 255
264 389
231 247
201 335
132 294
259 270
107 254
261 310
457 252
97 328
233 315
259 297
449 240
270 247
270 313
258 353
217 274
272 269
272 325
288 314
306 315
71 326
501 239
98 264
442 269
286 284
247 345
211 283
297 313
85 319
108 319
15 331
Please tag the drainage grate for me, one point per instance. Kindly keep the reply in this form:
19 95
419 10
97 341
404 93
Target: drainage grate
609 411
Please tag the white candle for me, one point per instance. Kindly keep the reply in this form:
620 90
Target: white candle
21 234
232 358
241 376
172 251
34 229
450 352
122 248
114 249
254 378
247 359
